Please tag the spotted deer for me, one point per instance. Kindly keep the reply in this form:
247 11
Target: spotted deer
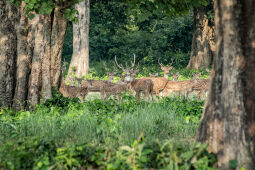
160 82
96 85
71 90
200 86
137 86
175 76
180 86
114 89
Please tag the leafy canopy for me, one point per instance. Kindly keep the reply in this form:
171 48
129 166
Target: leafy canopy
45 7
148 8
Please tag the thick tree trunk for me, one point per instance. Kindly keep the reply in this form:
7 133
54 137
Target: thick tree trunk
57 39
228 120
8 46
40 84
24 54
80 58
203 45
30 46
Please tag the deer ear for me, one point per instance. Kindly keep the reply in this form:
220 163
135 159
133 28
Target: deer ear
169 68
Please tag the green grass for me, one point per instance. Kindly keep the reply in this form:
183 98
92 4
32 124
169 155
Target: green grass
64 134
98 122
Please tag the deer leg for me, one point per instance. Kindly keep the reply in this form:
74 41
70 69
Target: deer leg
203 93
188 92
157 92
106 96
82 99
199 94
147 94
137 95
165 94
151 94
119 98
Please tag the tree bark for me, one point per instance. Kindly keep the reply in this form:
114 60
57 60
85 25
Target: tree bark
80 58
40 84
24 56
30 55
57 39
228 120
203 46
8 46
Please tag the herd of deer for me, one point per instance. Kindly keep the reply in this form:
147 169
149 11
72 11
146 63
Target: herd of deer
161 86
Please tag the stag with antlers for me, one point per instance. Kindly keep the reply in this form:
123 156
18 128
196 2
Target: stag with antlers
136 85
159 83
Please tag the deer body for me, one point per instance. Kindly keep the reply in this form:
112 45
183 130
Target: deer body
142 85
159 83
181 85
115 89
173 86
201 86
94 85
73 91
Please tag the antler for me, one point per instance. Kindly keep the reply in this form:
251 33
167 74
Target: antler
160 63
120 66
170 64
133 64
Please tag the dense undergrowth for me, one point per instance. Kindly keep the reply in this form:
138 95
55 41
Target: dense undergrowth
64 133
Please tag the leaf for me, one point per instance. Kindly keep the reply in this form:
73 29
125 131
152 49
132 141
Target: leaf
233 164
31 16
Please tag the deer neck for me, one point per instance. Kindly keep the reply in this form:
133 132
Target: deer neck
110 80
128 78
166 76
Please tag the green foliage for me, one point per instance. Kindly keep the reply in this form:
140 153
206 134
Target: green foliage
71 14
115 31
150 8
38 154
232 164
45 7
53 135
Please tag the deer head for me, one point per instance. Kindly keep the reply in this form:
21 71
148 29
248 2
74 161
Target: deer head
176 76
128 70
153 75
110 74
133 74
165 68
122 78
196 76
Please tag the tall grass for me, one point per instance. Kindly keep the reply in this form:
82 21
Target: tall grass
102 122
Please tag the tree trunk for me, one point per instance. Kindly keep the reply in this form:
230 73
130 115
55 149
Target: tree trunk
228 120
8 46
24 56
203 45
31 46
80 58
40 84
57 39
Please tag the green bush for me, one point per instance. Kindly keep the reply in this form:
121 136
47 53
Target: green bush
38 154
